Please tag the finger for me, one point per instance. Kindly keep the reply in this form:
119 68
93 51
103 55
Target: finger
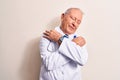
46 37
82 44
45 33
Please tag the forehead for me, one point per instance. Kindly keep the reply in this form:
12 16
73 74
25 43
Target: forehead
75 13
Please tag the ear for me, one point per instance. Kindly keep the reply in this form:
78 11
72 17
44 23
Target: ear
62 16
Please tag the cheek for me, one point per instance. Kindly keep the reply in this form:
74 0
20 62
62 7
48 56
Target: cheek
65 22
69 21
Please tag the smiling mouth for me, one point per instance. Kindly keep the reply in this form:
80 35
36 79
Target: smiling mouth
72 27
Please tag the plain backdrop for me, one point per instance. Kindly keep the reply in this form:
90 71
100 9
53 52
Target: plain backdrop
23 21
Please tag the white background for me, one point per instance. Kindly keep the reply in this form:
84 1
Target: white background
23 21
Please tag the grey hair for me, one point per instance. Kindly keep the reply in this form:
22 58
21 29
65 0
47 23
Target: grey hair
69 9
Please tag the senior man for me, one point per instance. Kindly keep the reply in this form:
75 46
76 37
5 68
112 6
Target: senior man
62 51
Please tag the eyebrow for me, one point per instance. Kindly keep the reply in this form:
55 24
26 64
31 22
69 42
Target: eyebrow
75 18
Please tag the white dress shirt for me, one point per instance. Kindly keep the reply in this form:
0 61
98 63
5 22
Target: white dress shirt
62 62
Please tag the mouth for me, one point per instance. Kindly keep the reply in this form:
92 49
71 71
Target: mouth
72 27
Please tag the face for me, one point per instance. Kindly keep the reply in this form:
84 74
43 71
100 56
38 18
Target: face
71 21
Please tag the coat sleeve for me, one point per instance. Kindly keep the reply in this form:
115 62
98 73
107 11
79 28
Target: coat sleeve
76 53
51 59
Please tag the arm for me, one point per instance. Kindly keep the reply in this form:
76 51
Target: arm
51 60
73 51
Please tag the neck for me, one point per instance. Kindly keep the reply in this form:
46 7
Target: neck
64 31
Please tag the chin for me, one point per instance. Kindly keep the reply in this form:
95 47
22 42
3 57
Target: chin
70 32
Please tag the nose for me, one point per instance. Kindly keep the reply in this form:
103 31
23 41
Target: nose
74 24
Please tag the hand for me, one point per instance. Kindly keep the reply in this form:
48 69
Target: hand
52 35
79 41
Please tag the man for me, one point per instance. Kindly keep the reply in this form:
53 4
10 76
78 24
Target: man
62 51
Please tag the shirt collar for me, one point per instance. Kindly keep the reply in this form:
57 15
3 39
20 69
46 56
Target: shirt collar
71 36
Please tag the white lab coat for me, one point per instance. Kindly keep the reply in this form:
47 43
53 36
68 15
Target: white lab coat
61 62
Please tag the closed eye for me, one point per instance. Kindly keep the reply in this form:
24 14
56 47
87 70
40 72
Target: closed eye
73 18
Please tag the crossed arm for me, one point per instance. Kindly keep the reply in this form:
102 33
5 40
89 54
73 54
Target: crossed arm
68 50
54 36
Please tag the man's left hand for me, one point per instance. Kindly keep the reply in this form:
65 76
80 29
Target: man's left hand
79 41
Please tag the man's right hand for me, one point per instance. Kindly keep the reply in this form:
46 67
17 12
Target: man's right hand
79 41
52 35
